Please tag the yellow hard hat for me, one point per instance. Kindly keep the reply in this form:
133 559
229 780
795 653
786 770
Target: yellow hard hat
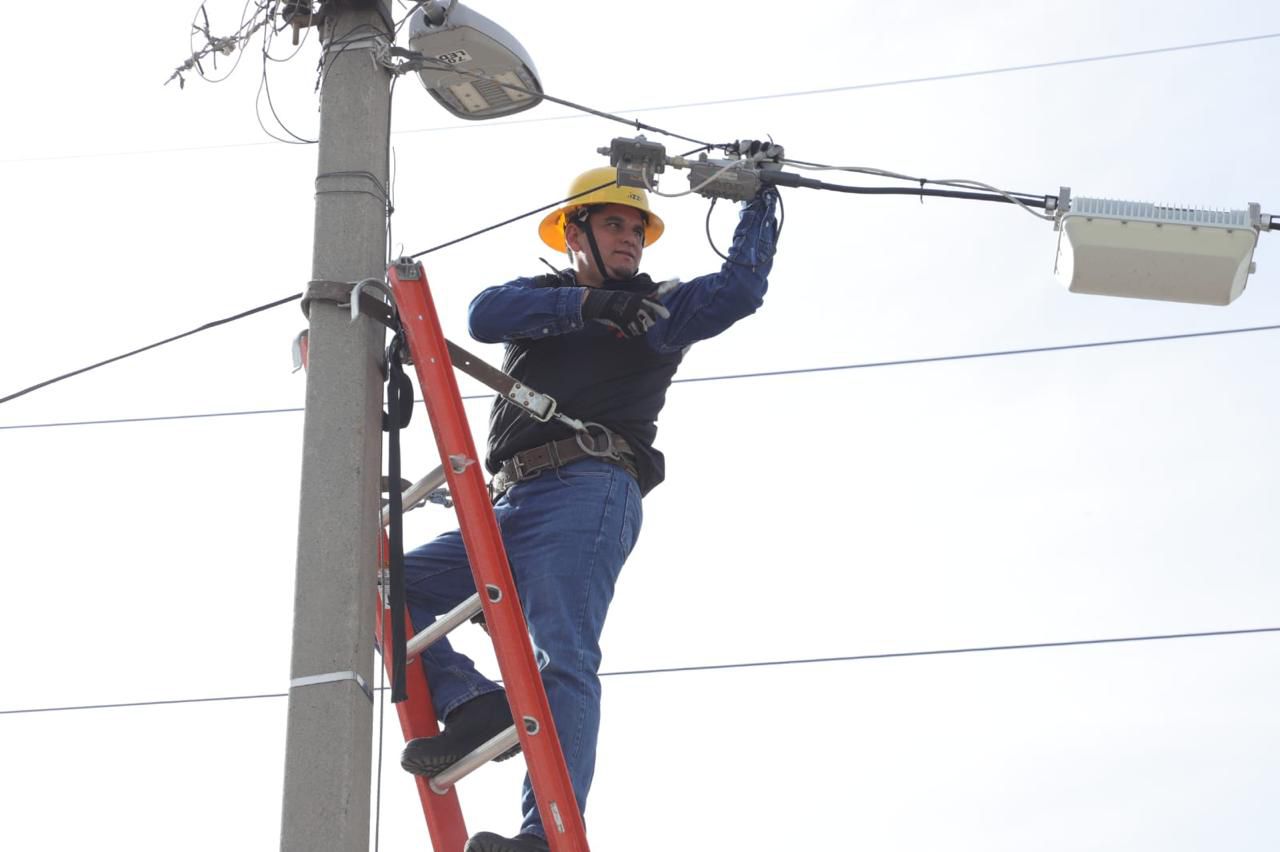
552 228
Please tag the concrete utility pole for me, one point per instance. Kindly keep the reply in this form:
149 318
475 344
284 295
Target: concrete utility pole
327 757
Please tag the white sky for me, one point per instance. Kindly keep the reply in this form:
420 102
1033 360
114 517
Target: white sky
1108 492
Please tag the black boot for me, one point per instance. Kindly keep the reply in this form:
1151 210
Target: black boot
468 727
487 841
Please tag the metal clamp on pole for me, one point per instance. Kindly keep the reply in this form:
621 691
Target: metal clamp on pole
359 300
341 294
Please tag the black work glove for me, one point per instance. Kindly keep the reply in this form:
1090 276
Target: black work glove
631 314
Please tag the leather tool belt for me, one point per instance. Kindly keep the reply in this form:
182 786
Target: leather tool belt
527 464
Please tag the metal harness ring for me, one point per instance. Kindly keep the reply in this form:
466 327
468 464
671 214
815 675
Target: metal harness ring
609 452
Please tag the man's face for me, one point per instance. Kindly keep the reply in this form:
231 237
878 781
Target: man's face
619 232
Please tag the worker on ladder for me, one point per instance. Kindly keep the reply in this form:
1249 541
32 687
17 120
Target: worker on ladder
605 341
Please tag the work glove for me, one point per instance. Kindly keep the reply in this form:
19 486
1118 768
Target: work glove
629 313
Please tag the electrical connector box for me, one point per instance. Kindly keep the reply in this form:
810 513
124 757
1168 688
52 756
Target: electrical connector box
736 180
638 161
1150 251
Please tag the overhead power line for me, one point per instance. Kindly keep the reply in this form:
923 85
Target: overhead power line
880 84
276 303
961 75
1027 646
999 353
205 327
901 362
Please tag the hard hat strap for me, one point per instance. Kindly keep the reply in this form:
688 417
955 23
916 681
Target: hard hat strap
583 221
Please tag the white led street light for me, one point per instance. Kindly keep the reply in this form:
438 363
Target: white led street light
1150 251
467 58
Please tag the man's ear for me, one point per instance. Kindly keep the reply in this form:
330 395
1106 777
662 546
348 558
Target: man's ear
573 237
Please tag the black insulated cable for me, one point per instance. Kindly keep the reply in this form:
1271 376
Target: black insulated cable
205 327
794 180
508 221
418 60
285 300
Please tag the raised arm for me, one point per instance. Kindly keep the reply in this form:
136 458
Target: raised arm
709 304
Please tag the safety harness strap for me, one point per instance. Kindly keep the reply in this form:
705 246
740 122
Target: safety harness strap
539 406
399 413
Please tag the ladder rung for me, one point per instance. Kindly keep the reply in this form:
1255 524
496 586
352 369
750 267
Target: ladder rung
500 744
442 626
416 492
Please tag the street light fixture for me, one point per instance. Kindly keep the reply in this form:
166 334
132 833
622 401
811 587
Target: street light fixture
467 58
1151 251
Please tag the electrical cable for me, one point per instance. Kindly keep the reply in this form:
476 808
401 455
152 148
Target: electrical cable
781 219
205 327
1027 646
1023 199
301 140
940 652
264 86
535 211
295 296
159 418
937 359
1026 202
497 124
507 221
691 104
961 75
649 187
633 122
726 377
296 48
391 169
404 19
792 180
215 45
409 14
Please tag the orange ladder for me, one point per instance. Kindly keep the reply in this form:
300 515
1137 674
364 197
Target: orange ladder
462 470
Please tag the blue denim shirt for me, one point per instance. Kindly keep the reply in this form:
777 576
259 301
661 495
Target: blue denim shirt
593 375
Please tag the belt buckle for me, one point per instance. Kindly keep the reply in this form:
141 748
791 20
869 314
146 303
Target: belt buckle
518 468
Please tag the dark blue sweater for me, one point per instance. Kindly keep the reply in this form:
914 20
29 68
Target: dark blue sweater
594 375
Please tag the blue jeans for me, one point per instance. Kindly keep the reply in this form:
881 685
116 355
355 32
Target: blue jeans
567 533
